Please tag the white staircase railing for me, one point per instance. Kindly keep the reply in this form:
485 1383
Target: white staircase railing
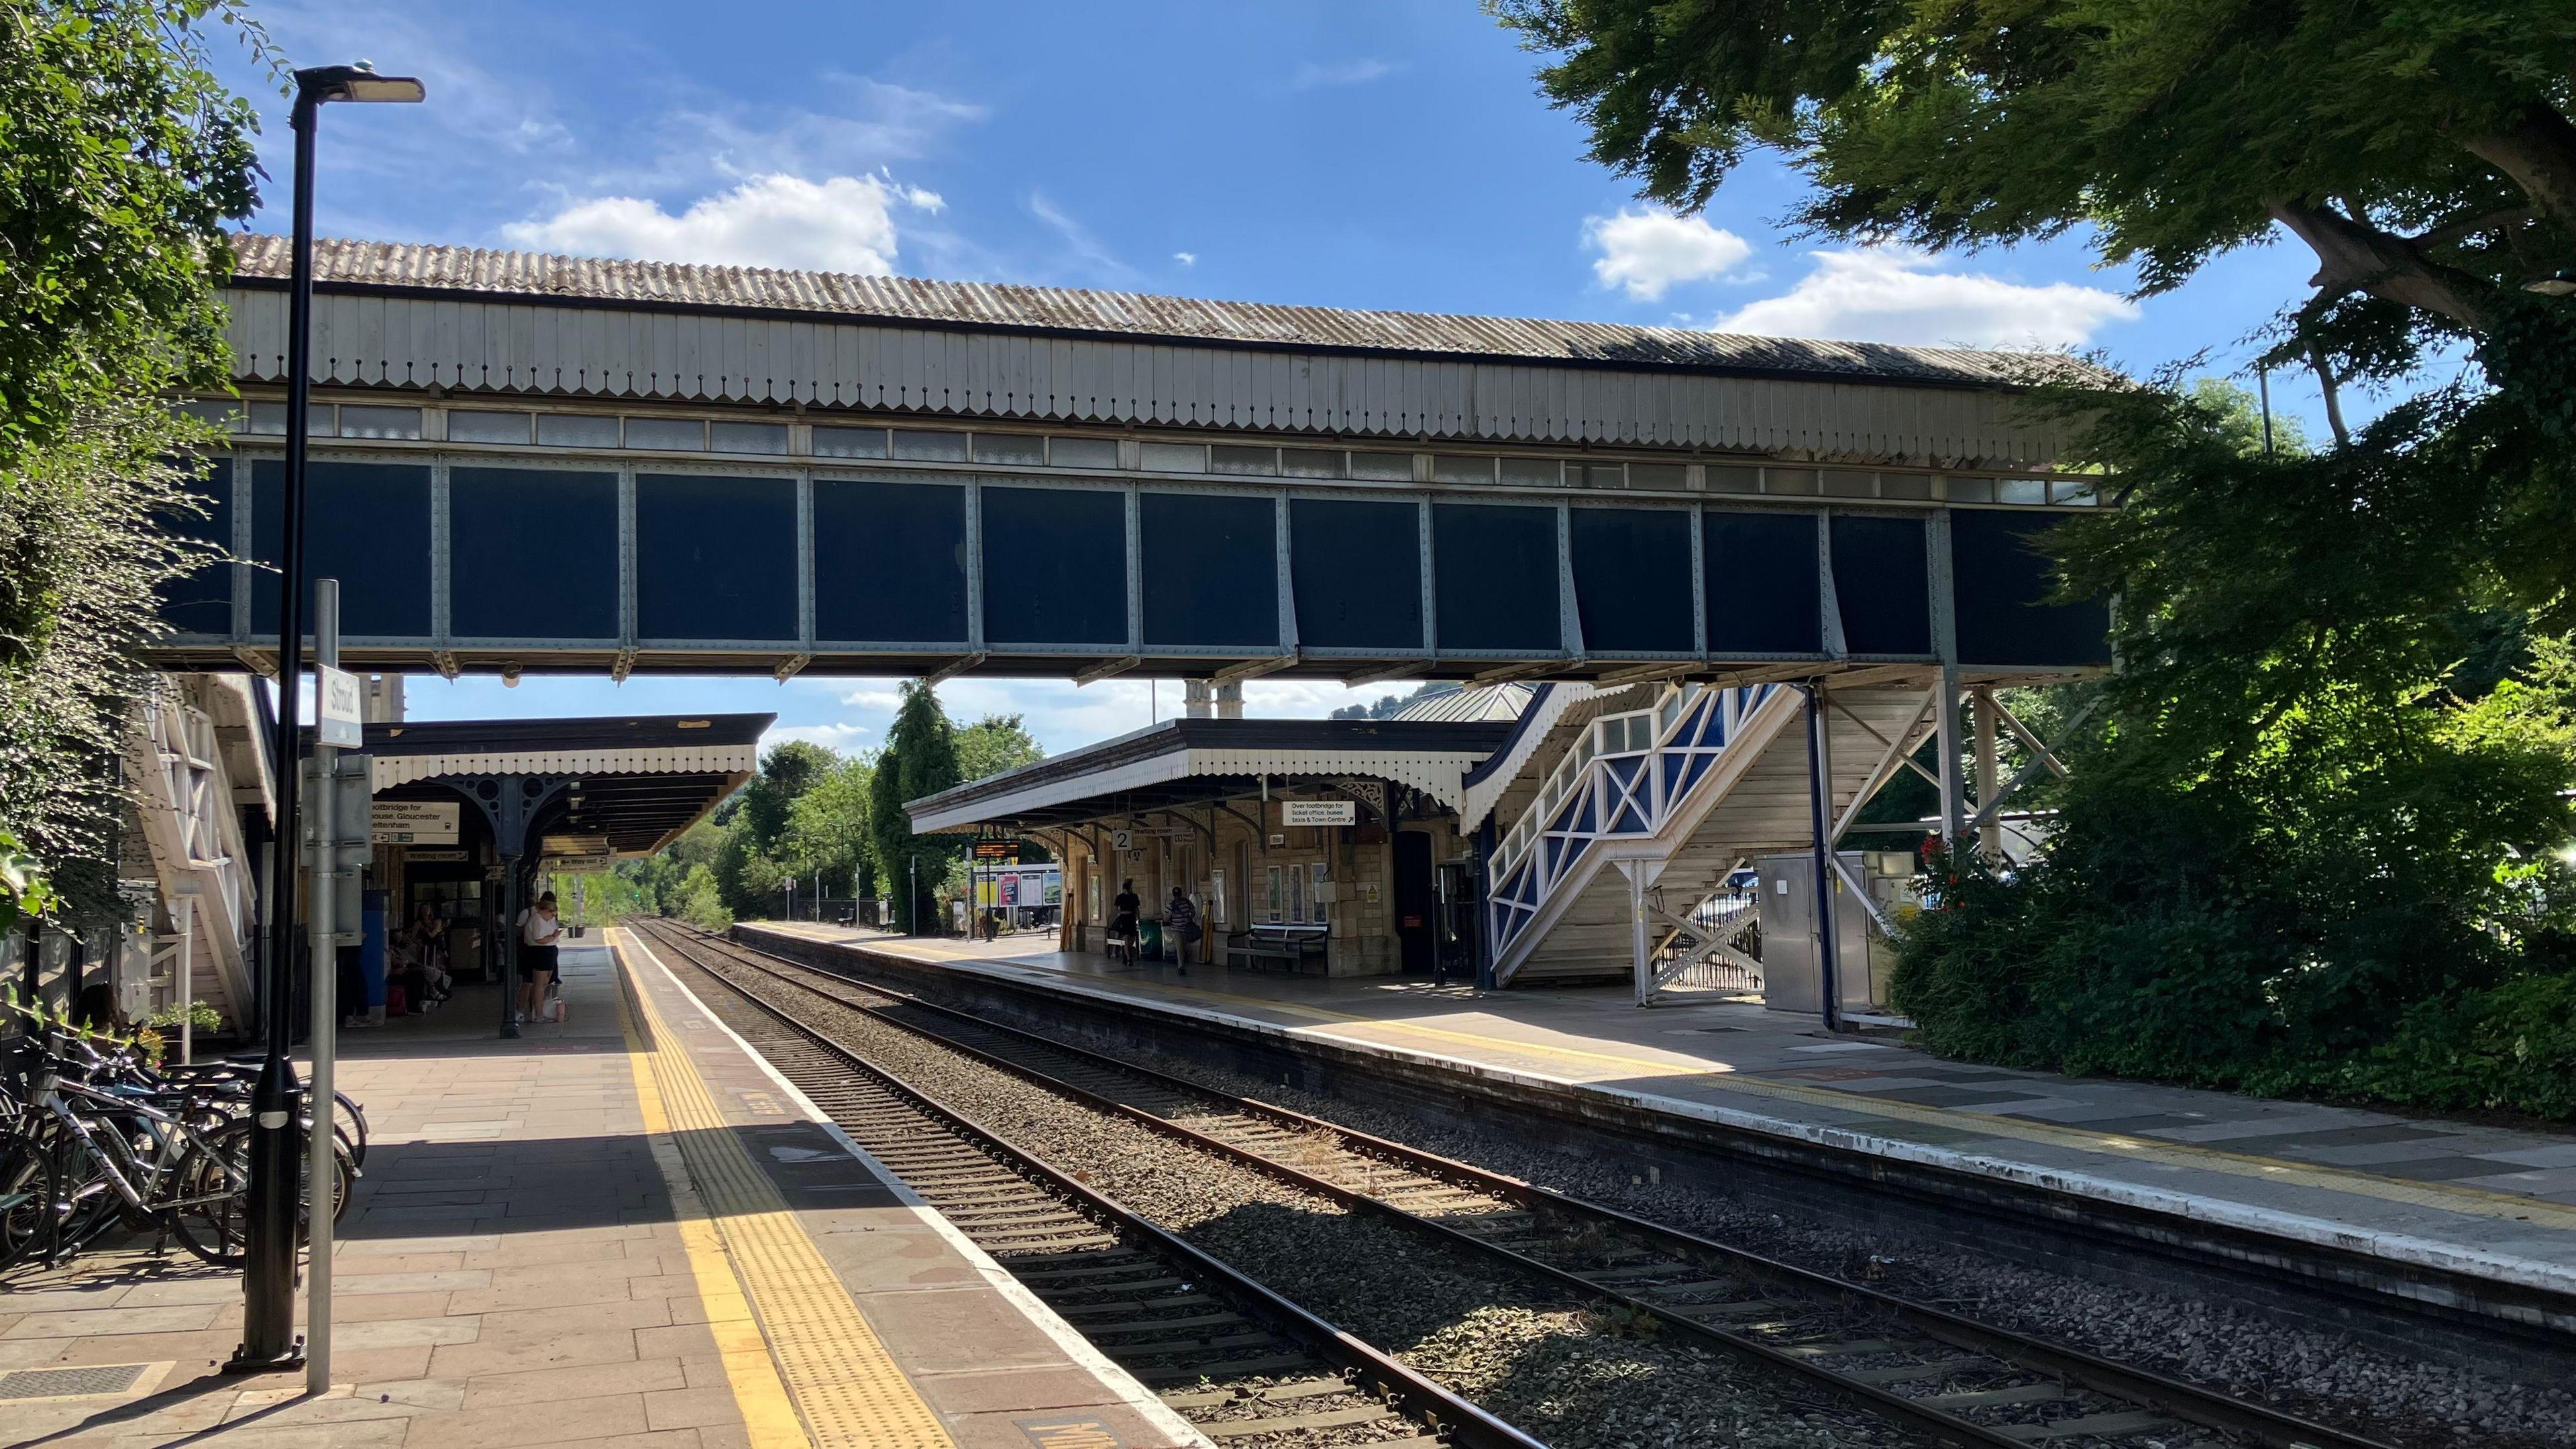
1621 780
187 817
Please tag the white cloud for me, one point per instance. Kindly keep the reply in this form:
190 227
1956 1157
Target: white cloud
1187 259
1893 294
884 699
1646 252
842 224
1313 75
830 736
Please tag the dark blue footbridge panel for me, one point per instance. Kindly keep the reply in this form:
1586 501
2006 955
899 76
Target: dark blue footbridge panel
543 548
496 561
715 558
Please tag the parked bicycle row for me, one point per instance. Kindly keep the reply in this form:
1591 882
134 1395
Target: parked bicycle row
97 1139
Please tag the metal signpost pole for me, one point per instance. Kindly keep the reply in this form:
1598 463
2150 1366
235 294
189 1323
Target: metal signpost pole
321 1172
268 1276
1820 798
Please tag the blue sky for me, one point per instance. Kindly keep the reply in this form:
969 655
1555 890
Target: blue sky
1392 154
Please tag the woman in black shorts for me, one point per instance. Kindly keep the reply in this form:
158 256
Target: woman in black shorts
539 930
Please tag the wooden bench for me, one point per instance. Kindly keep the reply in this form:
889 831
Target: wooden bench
1291 946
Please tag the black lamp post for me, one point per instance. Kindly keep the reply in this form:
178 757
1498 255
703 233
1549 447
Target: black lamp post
268 1282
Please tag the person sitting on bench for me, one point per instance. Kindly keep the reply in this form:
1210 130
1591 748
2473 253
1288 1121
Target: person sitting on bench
1121 942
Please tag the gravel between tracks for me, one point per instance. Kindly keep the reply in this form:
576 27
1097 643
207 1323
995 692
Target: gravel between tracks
2322 1376
1547 1365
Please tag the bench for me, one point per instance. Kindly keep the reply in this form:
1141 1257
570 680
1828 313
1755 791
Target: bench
1291 946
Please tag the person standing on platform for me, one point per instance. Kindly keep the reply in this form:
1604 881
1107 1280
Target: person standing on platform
539 931
1181 928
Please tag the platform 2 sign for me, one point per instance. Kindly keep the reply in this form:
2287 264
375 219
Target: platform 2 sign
415 822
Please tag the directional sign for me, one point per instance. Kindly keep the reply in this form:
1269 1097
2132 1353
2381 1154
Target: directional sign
336 719
415 822
1319 812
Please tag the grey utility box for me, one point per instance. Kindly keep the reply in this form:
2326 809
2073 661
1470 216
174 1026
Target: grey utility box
1792 975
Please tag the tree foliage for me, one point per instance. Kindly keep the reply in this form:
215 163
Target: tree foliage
121 157
2421 148
995 743
921 758
2312 840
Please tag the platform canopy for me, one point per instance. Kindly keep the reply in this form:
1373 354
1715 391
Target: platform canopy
614 787
1198 763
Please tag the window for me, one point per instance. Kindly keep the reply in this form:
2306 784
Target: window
1216 898
223 412
1083 452
1383 467
1657 475
1596 475
1971 490
1262 462
576 430
464 426
1296 895
1274 905
2022 490
1017 449
682 435
929 447
1839 484
1321 873
368 422
1723 479
1627 734
2072 492
1310 462
1173 457
1454 468
1537 472
270 418
1904 485
750 437
849 442
1798 481
1091 879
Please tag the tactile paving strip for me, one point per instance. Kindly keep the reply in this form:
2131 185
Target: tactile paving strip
843 1381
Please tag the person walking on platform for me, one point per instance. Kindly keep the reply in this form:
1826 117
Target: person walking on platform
1181 928
539 931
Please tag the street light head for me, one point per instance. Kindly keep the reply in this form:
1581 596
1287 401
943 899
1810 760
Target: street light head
2556 284
356 83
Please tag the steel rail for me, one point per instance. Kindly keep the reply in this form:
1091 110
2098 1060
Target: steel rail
1418 1397
2144 1387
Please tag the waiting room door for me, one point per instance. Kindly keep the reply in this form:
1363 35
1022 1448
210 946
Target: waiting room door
1416 902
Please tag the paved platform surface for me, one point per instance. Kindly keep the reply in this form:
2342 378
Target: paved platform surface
620 1230
2488 1201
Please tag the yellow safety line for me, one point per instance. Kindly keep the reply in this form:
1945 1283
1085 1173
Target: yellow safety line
2476 1201
798 1322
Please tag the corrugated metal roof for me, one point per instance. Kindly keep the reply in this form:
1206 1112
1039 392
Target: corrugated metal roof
506 274
1483 703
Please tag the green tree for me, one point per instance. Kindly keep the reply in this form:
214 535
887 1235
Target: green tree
121 158
827 828
995 743
788 770
920 759
2310 840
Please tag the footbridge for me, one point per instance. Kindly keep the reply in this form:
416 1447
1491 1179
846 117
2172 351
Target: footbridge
541 464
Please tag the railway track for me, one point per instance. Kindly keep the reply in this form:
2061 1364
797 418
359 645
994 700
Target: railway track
1240 1363
1932 1371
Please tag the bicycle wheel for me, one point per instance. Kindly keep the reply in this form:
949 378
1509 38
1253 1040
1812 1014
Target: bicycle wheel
30 1203
213 1180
